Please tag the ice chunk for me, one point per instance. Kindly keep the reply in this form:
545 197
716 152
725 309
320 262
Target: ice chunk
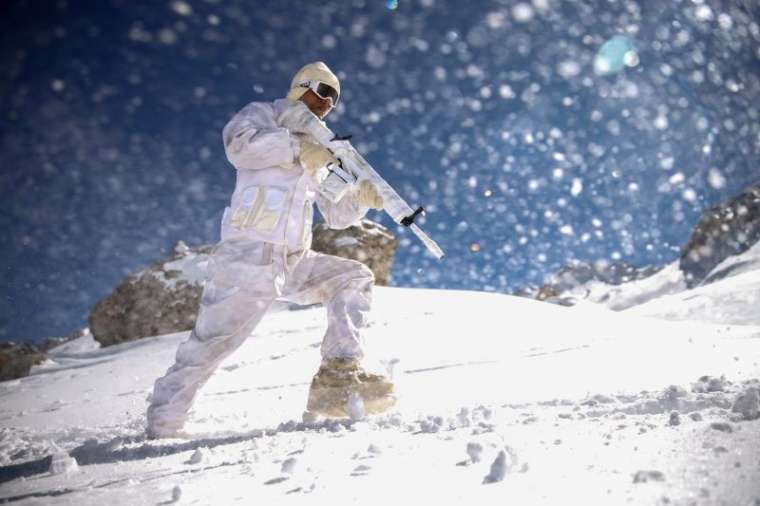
63 463
198 456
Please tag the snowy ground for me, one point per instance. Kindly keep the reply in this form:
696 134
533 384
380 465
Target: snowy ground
504 400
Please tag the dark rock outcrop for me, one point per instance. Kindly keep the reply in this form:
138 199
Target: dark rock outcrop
17 359
369 242
727 229
161 299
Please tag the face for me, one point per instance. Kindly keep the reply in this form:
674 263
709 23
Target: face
321 107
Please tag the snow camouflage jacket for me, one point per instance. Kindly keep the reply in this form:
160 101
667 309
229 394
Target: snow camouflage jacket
273 198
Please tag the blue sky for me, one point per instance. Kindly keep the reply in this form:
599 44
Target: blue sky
493 115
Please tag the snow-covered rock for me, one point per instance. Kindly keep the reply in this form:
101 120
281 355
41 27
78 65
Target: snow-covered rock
161 299
725 244
595 282
728 229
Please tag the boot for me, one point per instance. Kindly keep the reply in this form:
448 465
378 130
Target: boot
338 378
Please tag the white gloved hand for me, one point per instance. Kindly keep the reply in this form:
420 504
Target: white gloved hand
314 157
368 195
298 119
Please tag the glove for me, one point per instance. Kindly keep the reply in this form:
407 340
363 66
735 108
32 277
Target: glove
368 196
313 156
298 119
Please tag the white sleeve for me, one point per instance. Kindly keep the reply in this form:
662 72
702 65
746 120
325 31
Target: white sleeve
253 140
344 213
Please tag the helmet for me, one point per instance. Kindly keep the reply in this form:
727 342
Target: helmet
316 71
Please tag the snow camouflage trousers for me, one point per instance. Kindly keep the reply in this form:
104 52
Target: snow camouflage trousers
244 279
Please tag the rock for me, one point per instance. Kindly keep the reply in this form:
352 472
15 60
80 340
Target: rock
370 243
674 419
748 404
17 359
161 299
51 342
727 229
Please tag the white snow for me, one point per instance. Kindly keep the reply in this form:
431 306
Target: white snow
502 400
734 296
728 294
668 280
191 268
345 240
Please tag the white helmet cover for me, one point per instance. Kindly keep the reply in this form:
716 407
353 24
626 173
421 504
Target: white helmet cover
317 71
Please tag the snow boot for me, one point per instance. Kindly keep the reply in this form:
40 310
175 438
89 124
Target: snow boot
338 378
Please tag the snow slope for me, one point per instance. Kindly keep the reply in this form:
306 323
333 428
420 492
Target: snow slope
665 294
504 399
729 294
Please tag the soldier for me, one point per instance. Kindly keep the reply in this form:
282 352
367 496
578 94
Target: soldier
264 254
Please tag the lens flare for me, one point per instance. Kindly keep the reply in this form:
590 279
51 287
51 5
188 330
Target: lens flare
614 55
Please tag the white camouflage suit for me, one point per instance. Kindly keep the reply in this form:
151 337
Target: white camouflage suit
264 255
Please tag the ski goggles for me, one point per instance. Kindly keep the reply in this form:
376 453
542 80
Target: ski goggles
323 90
